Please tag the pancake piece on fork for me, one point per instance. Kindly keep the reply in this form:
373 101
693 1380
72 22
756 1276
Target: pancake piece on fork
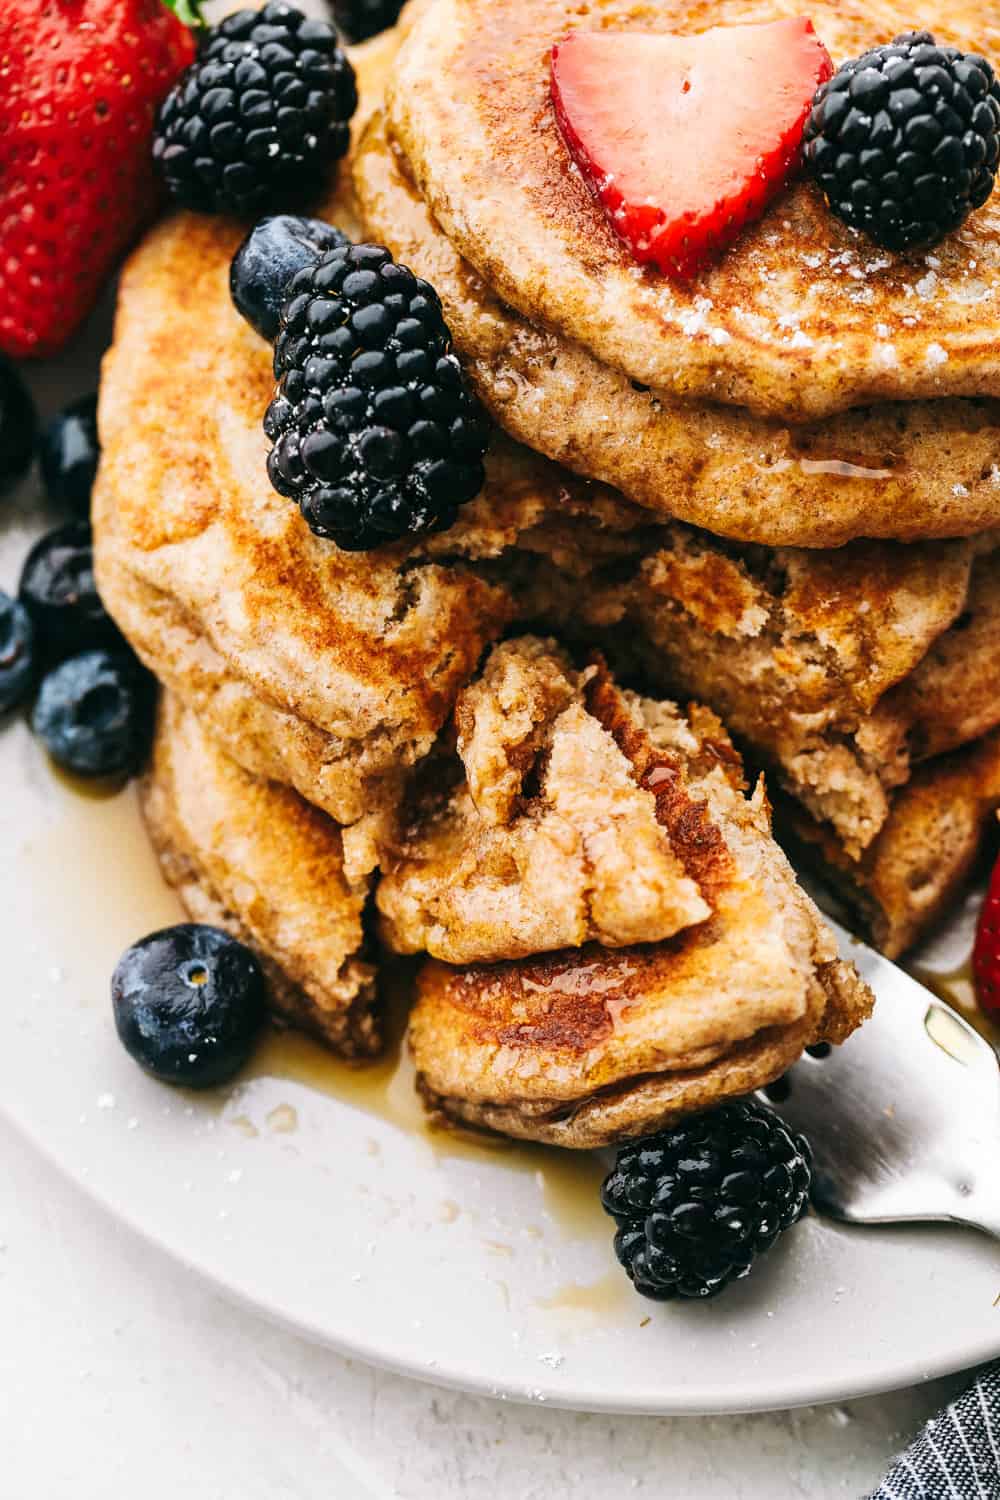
598 1043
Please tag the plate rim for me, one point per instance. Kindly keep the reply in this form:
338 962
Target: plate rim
694 1402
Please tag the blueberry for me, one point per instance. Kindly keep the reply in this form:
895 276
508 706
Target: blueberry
188 1003
68 453
17 653
94 713
360 19
267 260
57 589
18 425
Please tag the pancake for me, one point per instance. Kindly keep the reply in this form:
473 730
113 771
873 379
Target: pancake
593 1045
251 857
906 471
335 672
783 324
908 880
838 671
548 837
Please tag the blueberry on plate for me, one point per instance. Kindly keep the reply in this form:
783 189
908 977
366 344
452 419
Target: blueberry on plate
18 425
360 19
94 713
17 653
68 453
188 1003
57 589
267 260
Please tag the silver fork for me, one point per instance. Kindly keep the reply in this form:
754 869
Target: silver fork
904 1118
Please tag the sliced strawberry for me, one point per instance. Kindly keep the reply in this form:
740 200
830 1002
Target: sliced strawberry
685 139
986 953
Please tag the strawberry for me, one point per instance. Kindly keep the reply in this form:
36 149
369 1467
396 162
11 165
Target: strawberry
80 82
986 953
685 139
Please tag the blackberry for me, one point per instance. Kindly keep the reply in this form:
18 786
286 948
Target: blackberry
360 19
259 116
267 260
17 427
94 713
188 1003
375 432
696 1204
905 140
69 453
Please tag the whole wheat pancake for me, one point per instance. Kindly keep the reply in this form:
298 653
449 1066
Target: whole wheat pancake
538 835
330 671
907 880
334 672
908 471
254 858
784 324
251 857
838 670
593 1045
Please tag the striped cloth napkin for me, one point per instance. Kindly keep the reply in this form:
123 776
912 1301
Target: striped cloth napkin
956 1456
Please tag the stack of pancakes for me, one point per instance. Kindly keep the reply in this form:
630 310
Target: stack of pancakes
469 747
809 394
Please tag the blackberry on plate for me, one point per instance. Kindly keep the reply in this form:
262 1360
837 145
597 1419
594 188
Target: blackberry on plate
375 432
360 19
69 453
58 590
94 713
260 115
17 653
267 260
188 1003
18 424
696 1204
905 140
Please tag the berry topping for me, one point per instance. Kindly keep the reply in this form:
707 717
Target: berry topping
257 120
80 87
17 424
375 432
695 1205
58 590
905 140
17 655
94 714
360 19
268 259
189 1002
686 139
986 953
69 452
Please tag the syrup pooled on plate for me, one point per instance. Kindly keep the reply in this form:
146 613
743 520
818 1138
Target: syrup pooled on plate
569 1181
97 821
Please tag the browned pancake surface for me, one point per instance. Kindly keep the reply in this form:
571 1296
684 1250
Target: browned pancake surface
800 319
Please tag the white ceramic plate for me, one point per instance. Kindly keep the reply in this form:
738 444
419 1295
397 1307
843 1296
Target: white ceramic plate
312 1193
